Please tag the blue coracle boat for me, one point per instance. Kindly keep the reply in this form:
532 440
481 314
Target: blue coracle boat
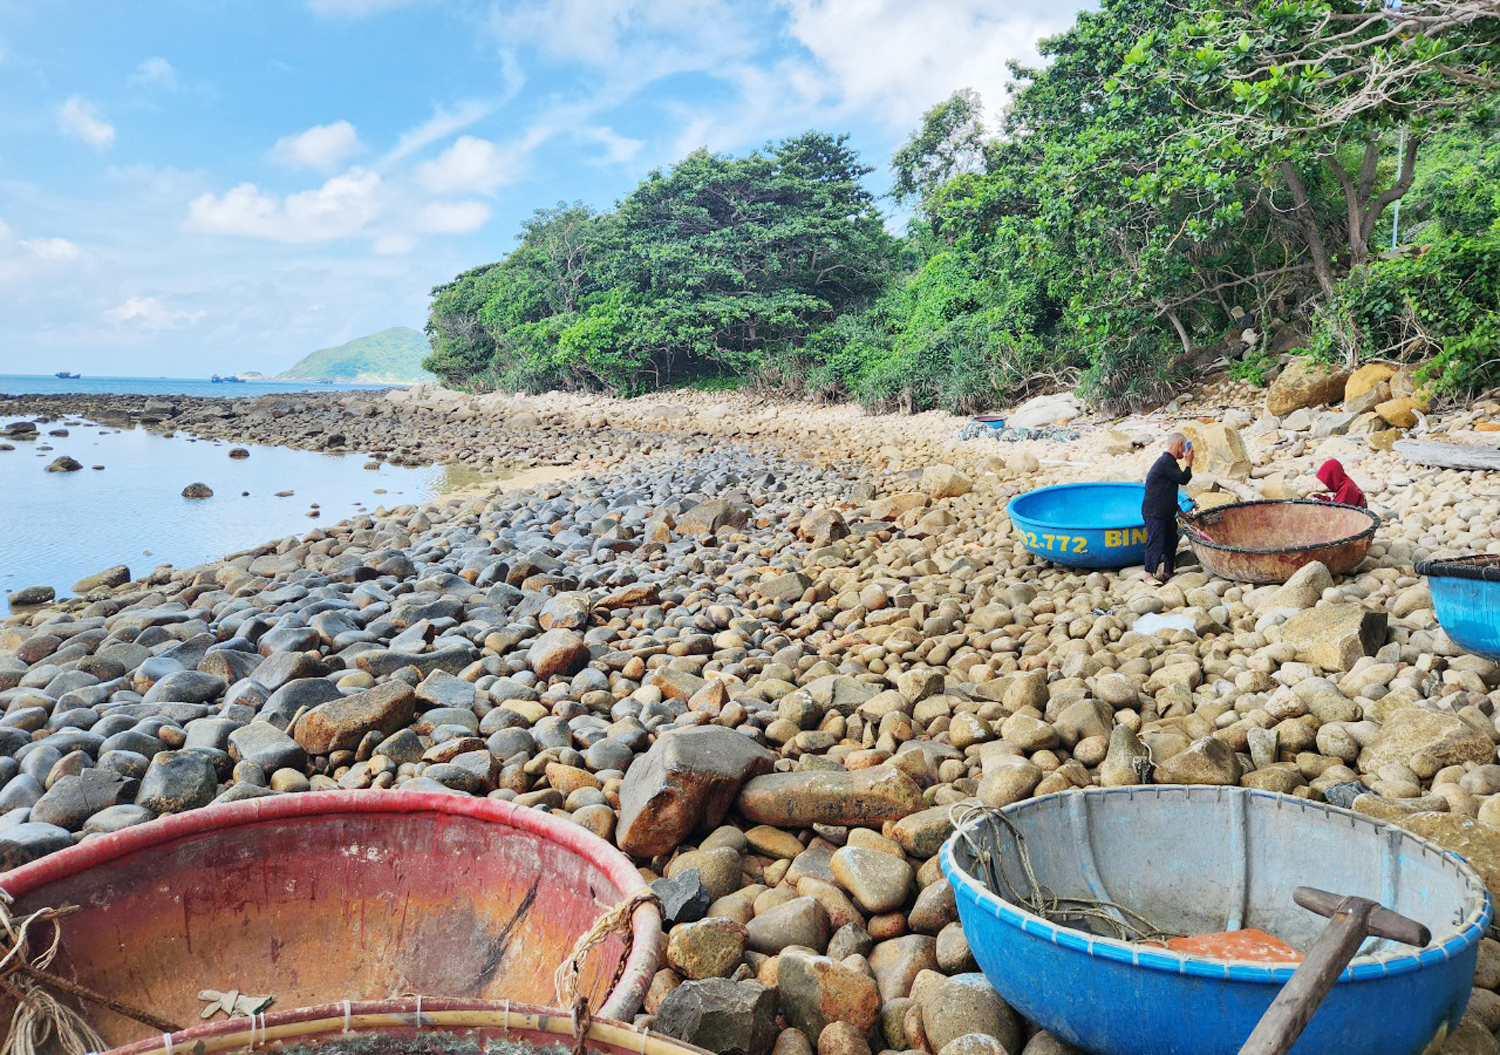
1089 525
1198 860
1466 599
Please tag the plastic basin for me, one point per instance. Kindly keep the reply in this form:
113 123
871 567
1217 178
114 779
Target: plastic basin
411 1027
1089 525
339 895
1200 859
1466 599
992 421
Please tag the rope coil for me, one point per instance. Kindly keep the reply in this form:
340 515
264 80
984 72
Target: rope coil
565 980
1116 920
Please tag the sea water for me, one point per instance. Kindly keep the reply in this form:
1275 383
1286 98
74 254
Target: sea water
56 528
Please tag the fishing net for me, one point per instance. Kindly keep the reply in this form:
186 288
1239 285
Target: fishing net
983 830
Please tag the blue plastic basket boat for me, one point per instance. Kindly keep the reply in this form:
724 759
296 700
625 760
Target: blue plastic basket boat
1197 860
1090 525
1466 598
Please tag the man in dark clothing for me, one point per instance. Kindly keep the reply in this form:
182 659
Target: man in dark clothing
1160 505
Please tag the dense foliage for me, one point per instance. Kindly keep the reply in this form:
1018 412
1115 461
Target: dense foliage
1183 183
709 268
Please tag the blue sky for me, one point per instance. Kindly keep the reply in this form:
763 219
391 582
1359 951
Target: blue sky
205 186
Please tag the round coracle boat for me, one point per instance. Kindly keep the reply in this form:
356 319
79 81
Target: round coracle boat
1466 598
412 1026
339 895
1046 888
1084 525
1266 541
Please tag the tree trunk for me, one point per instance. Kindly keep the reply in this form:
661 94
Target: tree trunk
1307 223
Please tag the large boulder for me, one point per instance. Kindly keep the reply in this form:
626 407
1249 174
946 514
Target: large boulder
340 725
686 781
816 990
862 797
1335 636
1425 742
944 481
716 514
1218 450
1044 410
1476 843
1367 379
1304 383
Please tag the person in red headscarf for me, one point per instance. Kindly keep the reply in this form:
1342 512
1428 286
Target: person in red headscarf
1341 489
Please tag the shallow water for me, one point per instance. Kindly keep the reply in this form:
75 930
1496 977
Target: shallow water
56 528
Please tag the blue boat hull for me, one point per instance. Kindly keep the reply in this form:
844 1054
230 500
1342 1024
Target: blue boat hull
1469 611
1116 998
1091 525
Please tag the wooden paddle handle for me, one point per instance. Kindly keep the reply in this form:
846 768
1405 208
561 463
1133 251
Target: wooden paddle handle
1381 922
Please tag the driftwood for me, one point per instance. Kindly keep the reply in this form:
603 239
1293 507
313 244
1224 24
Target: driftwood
1449 455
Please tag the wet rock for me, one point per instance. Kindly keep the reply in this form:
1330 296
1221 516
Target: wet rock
686 781
728 1018
339 725
197 490
31 595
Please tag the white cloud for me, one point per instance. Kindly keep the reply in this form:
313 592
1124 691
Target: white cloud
442 124
322 147
77 118
151 314
51 249
617 148
459 217
469 165
155 70
898 59
342 207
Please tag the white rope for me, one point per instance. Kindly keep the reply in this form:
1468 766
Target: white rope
507 1016
167 1040
419 1010
347 1016
645 1040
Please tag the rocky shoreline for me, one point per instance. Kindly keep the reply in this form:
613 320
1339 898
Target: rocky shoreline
765 649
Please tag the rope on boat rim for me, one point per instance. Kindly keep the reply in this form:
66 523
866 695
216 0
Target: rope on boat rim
25 977
617 921
1119 922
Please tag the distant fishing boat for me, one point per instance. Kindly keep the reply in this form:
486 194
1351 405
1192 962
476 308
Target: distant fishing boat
216 379
67 376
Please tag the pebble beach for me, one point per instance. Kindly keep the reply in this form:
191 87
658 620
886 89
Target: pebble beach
765 649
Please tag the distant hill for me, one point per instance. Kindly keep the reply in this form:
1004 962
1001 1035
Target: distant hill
392 356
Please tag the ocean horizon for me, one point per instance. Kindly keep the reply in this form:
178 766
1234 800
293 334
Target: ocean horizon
52 385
